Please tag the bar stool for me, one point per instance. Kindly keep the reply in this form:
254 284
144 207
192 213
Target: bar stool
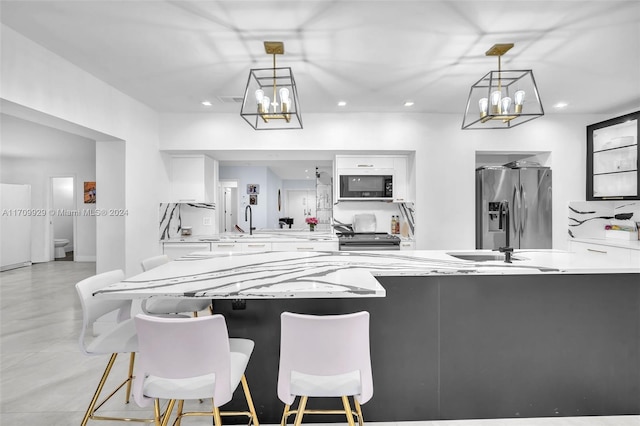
324 356
120 339
170 305
190 358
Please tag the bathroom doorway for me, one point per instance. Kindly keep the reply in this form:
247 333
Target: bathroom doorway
62 218
229 205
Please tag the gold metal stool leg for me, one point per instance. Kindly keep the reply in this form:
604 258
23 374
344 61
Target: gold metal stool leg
247 394
285 415
96 395
301 406
178 421
347 410
358 412
217 419
132 360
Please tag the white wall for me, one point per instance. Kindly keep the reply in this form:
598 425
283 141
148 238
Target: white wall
55 91
32 154
445 157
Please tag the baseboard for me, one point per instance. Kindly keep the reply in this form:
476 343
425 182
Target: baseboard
14 266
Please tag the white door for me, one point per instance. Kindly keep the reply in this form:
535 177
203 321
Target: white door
230 208
301 203
228 205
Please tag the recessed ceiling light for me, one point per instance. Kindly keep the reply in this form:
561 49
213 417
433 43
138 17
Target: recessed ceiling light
561 105
342 103
206 103
408 103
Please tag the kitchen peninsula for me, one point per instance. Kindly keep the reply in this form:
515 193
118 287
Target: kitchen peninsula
552 334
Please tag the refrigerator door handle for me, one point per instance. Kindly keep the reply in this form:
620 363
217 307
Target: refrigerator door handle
515 209
525 209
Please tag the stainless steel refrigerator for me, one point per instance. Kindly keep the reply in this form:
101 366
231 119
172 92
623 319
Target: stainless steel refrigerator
527 191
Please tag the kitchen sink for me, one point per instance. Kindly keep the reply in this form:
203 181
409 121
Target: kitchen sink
483 257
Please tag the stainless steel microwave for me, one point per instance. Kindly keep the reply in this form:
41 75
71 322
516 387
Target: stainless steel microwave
365 186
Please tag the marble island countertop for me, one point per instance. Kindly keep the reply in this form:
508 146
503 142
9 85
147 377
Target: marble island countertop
260 275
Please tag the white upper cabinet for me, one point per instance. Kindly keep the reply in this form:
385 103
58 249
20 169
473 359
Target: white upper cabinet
400 181
368 162
193 179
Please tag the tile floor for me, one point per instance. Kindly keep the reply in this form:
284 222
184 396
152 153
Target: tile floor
46 380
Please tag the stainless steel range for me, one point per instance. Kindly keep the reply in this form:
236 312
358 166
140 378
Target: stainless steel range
368 241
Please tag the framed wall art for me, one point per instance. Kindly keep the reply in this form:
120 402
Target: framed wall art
89 192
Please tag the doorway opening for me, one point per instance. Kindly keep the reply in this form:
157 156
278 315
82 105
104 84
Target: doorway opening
63 218
228 215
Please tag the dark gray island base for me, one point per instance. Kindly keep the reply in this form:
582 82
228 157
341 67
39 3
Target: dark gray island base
474 346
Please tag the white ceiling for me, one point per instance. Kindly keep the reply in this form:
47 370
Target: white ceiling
171 55
375 55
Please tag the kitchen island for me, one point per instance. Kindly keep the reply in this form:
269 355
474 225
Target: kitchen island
552 334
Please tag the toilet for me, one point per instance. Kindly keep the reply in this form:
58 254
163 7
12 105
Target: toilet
59 244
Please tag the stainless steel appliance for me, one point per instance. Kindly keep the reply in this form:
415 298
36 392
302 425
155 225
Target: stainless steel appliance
364 186
526 188
352 241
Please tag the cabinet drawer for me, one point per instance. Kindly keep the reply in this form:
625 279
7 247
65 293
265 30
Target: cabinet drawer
257 246
231 246
599 249
176 250
306 246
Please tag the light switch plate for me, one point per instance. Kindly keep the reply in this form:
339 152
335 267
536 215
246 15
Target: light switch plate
206 220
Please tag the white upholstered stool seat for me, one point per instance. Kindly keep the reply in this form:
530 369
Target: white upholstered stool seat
325 386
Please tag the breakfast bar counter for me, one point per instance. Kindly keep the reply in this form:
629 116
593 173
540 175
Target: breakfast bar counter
255 275
551 334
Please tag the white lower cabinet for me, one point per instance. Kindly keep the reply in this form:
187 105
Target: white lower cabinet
226 246
237 247
177 249
605 250
305 246
407 245
255 246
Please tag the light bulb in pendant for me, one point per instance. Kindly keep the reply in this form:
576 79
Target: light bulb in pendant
259 95
519 99
495 102
505 104
483 105
265 104
284 99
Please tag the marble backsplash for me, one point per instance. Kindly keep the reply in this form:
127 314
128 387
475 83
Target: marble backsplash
587 219
175 216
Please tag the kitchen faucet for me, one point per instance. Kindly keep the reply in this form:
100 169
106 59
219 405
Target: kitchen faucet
503 210
251 228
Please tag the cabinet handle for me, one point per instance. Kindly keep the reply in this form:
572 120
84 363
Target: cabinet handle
305 248
187 199
365 165
597 251
226 245
256 245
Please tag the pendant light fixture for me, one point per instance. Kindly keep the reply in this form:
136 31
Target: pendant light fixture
502 99
271 96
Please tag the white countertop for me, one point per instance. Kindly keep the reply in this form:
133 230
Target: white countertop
265 275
